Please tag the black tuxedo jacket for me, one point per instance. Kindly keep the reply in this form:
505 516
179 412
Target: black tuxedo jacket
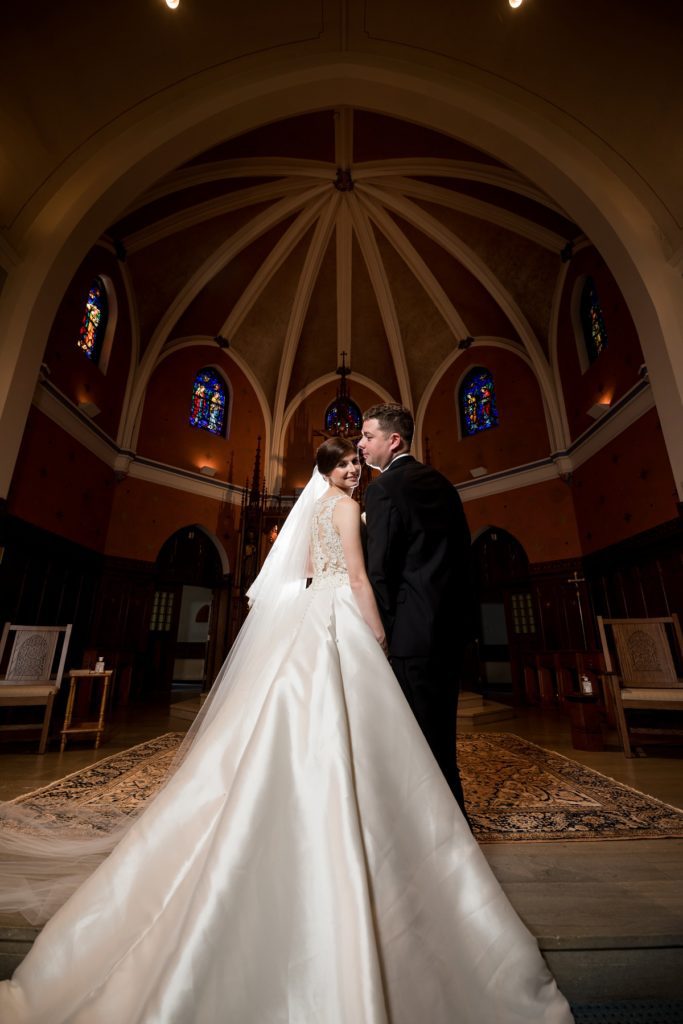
418 552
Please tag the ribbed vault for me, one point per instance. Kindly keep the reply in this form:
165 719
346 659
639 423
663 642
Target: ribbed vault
344 231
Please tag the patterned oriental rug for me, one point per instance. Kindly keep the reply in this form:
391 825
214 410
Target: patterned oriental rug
518 792
515 792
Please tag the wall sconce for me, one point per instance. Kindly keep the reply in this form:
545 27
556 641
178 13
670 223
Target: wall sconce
478 471
208 470
598 410
89 409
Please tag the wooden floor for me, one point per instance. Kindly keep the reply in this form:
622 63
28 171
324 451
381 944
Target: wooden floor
22 769
608 916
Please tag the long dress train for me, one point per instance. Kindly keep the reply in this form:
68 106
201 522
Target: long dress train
306 864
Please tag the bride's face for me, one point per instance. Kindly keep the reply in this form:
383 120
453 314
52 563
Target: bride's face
346 473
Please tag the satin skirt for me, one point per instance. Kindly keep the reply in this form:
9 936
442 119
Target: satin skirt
315 870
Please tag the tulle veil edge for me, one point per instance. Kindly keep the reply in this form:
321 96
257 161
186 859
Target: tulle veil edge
44 858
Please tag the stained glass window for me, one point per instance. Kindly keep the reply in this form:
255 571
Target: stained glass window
94 323
208 402
592 322
343 417
478 402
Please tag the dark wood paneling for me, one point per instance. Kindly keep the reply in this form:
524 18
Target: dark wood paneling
565 620
640 577
46 580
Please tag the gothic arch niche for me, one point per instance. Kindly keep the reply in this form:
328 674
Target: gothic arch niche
189 612
507 616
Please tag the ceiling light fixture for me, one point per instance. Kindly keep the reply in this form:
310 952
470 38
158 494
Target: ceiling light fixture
513 3
174 3
478 471
207 470
89 408
598 410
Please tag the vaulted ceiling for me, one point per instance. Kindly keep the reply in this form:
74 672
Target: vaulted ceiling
343 231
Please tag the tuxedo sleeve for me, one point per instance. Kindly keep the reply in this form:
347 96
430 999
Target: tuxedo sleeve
383 530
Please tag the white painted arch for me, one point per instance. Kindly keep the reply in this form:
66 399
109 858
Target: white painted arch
547 396
91 189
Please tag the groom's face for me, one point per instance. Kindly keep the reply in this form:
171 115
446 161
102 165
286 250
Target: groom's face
377 447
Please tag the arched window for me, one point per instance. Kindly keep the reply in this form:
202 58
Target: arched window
94 322
343 417
478 402
592 322
209 402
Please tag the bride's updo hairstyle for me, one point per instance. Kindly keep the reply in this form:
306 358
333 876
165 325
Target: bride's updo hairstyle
331 452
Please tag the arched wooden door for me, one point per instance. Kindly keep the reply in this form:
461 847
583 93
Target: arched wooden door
190 585
507 615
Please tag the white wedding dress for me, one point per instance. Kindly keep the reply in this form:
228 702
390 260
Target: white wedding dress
305 864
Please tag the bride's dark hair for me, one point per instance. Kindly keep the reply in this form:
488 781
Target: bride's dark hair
331 452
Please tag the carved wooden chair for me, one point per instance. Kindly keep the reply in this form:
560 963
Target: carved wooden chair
32 662
643 662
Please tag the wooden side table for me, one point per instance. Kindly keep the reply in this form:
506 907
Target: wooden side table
97 727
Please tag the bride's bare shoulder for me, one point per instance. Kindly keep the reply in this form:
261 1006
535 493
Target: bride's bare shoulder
347 507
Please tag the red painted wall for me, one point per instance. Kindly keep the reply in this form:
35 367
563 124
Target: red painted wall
145 514
521 436
626 488
541 517
165 432
70 369
60 486
615 370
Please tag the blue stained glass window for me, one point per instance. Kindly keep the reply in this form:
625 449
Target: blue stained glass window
343 417
592 322
208 406
94 323
478 409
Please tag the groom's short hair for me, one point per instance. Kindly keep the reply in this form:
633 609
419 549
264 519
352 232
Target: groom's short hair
393 419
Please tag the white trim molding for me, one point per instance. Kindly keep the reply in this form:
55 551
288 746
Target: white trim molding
62 411
627 411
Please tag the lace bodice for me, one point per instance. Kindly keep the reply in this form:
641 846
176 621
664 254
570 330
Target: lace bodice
329 566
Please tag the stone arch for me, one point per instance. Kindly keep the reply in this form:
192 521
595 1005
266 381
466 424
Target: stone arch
77 203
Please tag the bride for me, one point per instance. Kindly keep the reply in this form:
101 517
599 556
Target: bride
305 863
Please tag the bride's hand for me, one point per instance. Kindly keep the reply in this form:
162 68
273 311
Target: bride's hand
382 641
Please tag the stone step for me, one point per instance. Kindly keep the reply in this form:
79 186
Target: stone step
474 710
607 915
599 969
610 973
187 709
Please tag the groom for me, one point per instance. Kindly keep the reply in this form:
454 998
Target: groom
418 548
